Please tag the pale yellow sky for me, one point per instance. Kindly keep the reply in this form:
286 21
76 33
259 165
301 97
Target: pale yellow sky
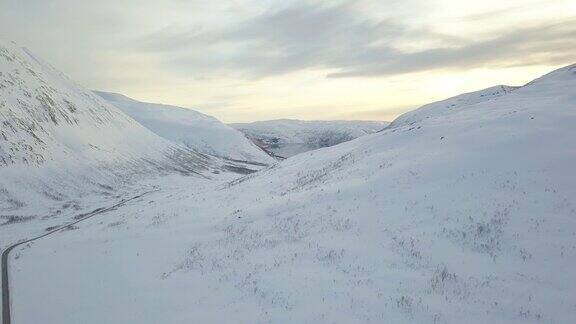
246 60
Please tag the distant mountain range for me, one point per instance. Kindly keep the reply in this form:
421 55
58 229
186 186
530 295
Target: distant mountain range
288 137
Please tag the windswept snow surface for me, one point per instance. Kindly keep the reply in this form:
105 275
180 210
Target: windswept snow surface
288 137
191 128
462 217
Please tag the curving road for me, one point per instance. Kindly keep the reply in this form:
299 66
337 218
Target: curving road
6 319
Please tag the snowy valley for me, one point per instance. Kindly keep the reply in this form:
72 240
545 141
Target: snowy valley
287 137
461 211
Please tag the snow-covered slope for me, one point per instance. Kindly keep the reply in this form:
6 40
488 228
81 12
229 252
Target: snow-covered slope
58 140
462 217
288 137
451 105
191 128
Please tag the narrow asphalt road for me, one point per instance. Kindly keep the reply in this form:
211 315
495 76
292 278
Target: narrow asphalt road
6 317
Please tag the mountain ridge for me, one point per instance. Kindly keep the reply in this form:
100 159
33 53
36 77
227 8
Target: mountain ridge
59 141
190 128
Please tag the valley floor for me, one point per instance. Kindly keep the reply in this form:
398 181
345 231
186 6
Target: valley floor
196 251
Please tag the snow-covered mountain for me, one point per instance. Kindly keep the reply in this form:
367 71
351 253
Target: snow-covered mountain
191 128
463 216
288 137
451 105
58 140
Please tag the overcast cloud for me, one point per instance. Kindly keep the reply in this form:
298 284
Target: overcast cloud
197 52
349 43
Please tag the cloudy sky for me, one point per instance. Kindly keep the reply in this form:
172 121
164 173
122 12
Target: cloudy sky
244 60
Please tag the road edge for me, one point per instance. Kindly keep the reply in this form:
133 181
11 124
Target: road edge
6 314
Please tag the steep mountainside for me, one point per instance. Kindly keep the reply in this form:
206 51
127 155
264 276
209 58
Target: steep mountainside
467 216
288 137
59 141
191 128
